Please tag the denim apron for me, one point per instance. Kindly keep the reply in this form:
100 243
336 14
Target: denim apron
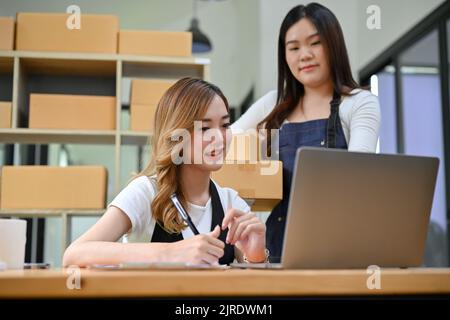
160 235
326 133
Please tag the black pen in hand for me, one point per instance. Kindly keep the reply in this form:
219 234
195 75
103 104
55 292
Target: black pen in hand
183 214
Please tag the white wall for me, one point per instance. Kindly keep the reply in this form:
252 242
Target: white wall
397 17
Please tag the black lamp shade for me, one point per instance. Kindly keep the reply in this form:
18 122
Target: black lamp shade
200 42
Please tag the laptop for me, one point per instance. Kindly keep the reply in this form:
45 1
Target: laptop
353 210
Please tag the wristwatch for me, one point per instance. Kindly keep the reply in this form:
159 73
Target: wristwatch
266 259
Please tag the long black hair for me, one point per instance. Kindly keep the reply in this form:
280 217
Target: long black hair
290 90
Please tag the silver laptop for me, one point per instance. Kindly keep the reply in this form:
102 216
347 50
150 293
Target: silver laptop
354 210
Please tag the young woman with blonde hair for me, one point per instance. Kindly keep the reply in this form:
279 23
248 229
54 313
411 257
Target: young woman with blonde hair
143 210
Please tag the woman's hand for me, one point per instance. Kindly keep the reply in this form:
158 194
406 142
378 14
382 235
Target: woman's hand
247 233
200 249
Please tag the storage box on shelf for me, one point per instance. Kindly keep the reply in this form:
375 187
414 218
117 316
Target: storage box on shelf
148 91
142 117
7 26
5 114
46 191
49 32
46 187
58 111
261 183
145 95
155 43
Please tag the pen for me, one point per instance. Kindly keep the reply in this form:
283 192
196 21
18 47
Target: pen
183 213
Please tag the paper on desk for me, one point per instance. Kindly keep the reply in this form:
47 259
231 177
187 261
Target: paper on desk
158 266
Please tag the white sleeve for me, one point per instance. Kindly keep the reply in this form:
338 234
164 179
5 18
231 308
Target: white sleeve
230 199
365 120
255 113
239 203
135 201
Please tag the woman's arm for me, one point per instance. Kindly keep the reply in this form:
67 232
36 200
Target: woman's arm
99 245
365 118
255 113
247 233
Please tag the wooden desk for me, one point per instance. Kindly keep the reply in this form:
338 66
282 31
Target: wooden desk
222 283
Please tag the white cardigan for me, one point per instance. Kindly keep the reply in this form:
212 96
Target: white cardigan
359 113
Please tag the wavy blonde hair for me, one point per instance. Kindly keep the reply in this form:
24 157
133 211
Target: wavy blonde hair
182 104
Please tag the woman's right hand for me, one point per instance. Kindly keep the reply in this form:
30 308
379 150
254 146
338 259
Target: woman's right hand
200 249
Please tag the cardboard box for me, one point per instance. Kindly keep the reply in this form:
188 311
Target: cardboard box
7 25
5 114
59 111
148 91
261 182
145 96
44 187
49 32
142 117
243 148
155 43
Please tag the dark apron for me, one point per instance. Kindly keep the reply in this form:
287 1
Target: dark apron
326 133
160 235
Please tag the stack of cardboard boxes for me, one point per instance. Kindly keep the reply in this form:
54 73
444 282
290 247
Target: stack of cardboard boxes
96 34
145 95
257 180
155 43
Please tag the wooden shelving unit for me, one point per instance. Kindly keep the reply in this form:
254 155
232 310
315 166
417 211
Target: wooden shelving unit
38 136
24 65
80 73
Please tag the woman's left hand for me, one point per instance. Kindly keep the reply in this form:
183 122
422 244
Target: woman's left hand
247 233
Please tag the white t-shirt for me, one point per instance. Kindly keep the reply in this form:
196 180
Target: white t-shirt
359 113
135 201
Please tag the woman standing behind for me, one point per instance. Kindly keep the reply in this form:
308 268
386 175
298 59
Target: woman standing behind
318 103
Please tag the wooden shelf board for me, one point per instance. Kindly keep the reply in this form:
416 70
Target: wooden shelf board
44 136
69 67
135 138
105 57
50 212
7 54
164 60
93 63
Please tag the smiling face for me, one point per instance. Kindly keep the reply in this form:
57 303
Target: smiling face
211 137
306 54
